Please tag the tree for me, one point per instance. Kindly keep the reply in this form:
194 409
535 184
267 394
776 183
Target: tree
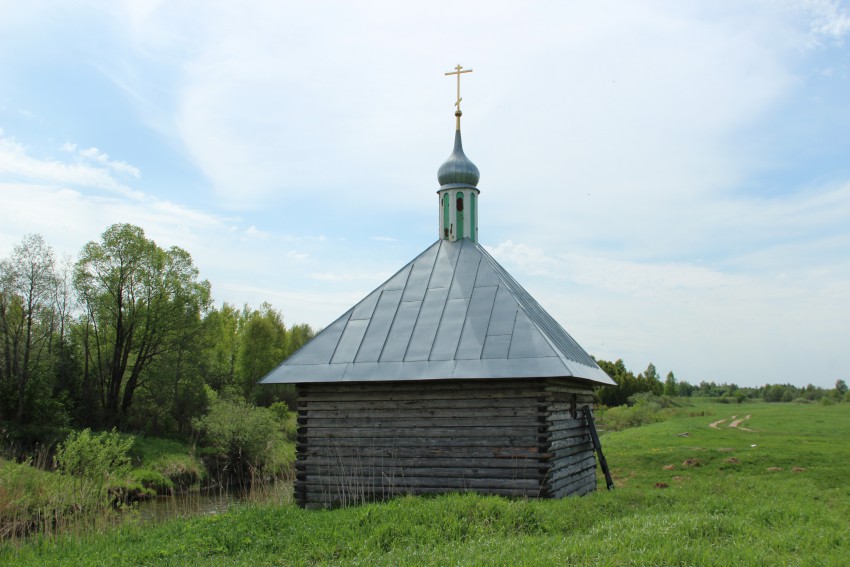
222 329
670 387
298 336
652 379
840 388
138 299
28 288
685 389
262 346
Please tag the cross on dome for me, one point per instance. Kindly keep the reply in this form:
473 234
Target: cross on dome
458 71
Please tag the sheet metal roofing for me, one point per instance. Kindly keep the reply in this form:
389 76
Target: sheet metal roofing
452 312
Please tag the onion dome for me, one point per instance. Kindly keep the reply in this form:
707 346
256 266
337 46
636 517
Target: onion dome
458 171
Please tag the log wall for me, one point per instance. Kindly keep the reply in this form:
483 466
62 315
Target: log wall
365 441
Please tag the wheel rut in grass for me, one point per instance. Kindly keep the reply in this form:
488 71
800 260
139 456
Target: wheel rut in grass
736 423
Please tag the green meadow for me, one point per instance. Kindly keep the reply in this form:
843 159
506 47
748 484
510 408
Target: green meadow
772 491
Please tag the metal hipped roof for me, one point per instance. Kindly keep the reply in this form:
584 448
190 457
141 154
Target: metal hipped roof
453 312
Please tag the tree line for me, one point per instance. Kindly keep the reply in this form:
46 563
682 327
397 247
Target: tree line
127 336
649 382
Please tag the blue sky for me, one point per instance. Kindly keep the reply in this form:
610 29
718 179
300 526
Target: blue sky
669 179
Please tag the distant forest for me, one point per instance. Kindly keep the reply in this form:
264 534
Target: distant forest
649 381
127 337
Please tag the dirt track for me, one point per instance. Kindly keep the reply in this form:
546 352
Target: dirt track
736 423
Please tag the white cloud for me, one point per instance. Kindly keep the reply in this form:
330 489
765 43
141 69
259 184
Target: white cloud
17 163
830 19
632 170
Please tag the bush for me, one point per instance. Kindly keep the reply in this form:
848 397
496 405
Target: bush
244 440
645 408
101 456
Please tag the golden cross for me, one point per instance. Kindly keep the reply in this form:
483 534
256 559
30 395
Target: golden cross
458 70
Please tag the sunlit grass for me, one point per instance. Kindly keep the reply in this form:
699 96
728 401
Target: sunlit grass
686 494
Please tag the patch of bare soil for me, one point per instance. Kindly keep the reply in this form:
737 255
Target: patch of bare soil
731 460
774 469
738 422
691 463
669 467
678 478
661 485
798 469
725 449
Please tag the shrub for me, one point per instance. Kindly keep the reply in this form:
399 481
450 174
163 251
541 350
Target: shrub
245 440
645 409
101 456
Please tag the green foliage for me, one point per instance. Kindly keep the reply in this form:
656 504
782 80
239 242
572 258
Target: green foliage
245 440
140 301
645 408
671 388
627 384
94 456
262 346
28 294
287 420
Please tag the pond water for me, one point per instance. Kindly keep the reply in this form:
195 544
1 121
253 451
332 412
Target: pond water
211 501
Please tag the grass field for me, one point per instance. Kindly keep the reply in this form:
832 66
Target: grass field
777 494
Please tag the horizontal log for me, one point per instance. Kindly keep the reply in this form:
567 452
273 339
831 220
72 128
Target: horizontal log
561 419
567 425
557 473
580 470
529 411
421 431
578 390
418 423
506 453
352 482
568 452
571 481
568 442
433 462
567 407
578 484
495 442
383 474
403 395
417 404
567 434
